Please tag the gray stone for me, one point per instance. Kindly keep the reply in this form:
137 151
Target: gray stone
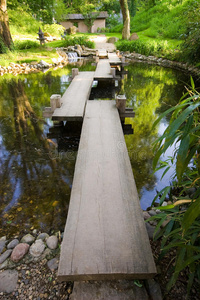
28 239
8 281
112 40
52 242
164 203
150 230
19 251
43 64
3 238
42 236
37 248
109 290
53 264
154 289
2 246
13 244
5 255
152 212
4 265
134 37
146 215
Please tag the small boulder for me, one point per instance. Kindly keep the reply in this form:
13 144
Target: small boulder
5 255
13 244
42 236
37 248
8 281
19 251
53 264
112 40
146 215
28 239
2 245
52 242
72 30
134 37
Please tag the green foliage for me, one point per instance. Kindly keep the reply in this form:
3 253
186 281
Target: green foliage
26 44
78 40
183 214
3 48
53 29
158 48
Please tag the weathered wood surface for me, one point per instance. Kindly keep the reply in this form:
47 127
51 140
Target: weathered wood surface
105 236
103 70
113 58
74 99
102 53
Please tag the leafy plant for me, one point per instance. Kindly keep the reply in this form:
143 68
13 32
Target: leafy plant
26 44
78 40
182 215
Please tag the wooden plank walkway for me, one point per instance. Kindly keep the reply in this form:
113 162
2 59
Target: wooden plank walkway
75 98
114 59
103 70
105 236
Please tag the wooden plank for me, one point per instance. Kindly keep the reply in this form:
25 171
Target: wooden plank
103 70
105 236
114 59
74 99
102 53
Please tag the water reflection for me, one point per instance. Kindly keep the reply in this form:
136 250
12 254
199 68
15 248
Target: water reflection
35 178
150 90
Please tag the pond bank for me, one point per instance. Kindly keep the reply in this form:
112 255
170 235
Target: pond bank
28 267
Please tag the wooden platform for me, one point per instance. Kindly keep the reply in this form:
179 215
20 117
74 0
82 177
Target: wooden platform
103 70
105 236
75 98
102 53
114 59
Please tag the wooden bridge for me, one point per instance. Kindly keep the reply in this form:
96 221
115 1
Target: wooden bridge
105 236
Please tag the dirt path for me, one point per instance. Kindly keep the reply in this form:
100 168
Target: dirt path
100 43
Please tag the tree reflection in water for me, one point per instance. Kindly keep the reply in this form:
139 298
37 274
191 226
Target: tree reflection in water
35 180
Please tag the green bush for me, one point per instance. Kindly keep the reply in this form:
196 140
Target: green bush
26 44
145 48
53 29
78 40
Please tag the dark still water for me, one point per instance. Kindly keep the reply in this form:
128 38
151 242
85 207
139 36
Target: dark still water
35 178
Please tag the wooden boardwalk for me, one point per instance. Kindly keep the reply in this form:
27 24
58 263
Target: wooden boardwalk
75 98
103 70
105 236
114 59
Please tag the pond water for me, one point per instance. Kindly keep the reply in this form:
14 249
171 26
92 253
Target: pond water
35 178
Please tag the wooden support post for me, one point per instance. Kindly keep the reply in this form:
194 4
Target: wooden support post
117 52
55 101
121 103
97 52
75 72
113 72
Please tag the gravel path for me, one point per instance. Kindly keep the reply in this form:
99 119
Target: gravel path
100 43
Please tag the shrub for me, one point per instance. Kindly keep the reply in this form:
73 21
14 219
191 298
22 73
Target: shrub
26 44
80 40
53 29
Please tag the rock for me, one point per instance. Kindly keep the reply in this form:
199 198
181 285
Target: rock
43 64
34 231
164 203
146 215
112 40
3 238
8 281
28 239
5 255
2 245
53 264
153 289
52 242
4 265
134 37
37 248
13 244
150 230
72 30
19 251
42 236
152 213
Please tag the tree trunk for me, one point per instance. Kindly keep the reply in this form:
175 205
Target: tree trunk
4 25
126 19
